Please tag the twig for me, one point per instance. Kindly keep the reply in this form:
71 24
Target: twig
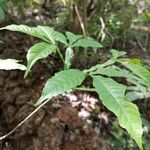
80 20
142 28
146 41
141 46
60 54
86 89
15 128
64 2
102 32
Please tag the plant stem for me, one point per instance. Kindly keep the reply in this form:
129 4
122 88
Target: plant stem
80 20
60 54
86 89
22 122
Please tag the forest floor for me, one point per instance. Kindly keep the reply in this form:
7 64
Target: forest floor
57 125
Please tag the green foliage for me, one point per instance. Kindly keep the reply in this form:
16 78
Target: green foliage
62 81
115 55
38 51
138 92
111 93
136 67
60 37
2 14
114 71
72 38
134 72
81 41
68 57
87 42
3 8
11 64
118 139
45 33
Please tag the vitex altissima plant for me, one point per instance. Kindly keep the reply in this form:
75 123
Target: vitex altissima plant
111 93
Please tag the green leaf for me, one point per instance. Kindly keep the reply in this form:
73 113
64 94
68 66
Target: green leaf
2 14
112 95
61 38
47 32
87 42
43 32
116 54
99 66
68 57
72 38
11 64
61 82
137 92
146 122
134 95
38 51
3 4
112 71
137 69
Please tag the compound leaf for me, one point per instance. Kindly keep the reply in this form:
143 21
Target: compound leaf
38 51
61 82
112 95
11 64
